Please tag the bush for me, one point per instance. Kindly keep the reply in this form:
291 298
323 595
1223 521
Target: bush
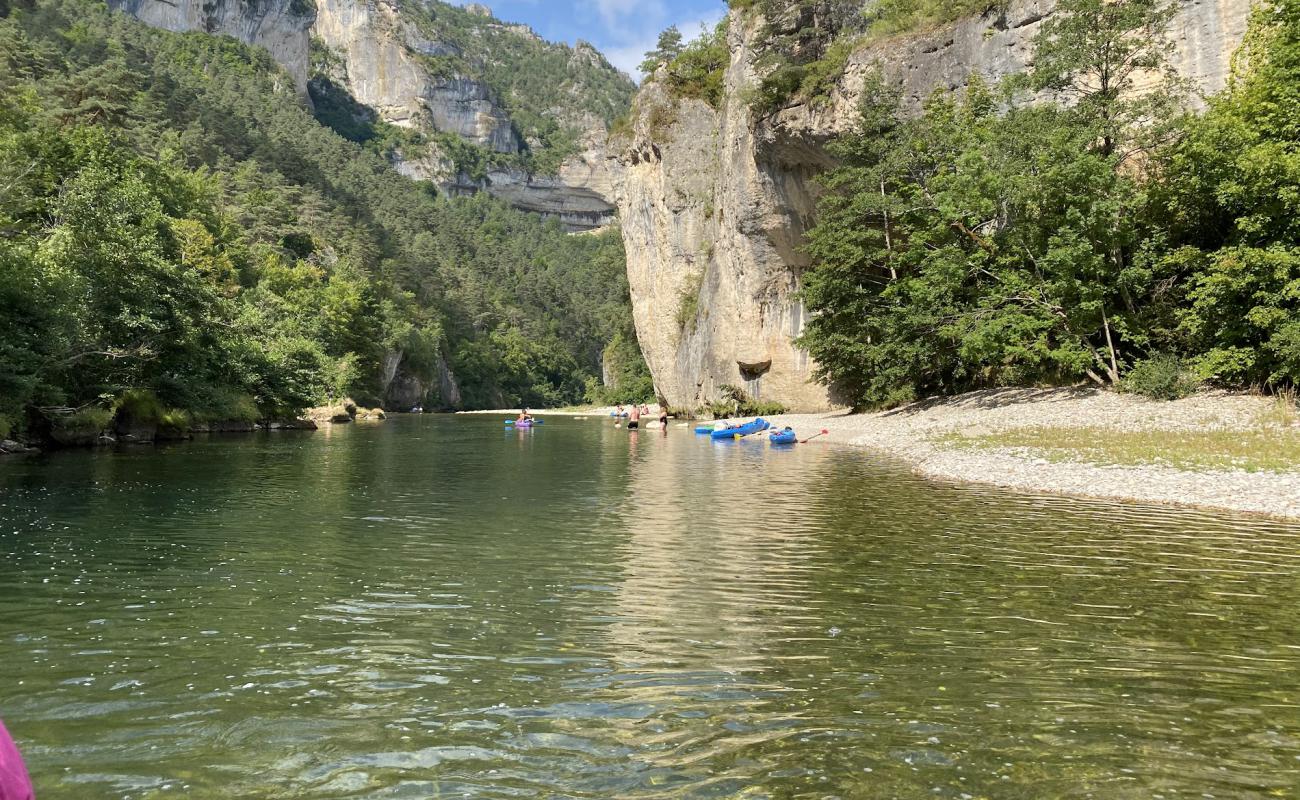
737 402
5 426
1161 377
224 406
688 306
140 405
174 424
87 420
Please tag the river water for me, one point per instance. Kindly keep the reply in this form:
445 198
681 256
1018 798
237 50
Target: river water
438 608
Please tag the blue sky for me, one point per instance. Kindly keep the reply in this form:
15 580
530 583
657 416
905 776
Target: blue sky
622 29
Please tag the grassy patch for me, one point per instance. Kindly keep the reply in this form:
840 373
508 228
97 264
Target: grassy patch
688 303
1258 450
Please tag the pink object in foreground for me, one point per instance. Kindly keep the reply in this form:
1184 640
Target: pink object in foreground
14 782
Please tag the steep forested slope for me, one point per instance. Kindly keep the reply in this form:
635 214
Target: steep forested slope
174 223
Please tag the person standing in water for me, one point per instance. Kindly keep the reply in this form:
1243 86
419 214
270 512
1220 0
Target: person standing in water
15 783
663 416
634 418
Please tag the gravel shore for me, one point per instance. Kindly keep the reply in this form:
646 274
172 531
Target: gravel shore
916 434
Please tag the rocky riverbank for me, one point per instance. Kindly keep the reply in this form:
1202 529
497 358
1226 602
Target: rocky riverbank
1216 450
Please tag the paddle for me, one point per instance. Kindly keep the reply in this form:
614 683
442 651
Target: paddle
810 438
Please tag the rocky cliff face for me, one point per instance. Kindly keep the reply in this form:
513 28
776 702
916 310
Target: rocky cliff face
714 203
383 61
387 64
279 26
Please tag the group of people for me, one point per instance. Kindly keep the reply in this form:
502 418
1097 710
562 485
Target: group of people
635 414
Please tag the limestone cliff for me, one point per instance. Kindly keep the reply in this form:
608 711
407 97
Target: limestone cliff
279 26
416 68
714 203
423 66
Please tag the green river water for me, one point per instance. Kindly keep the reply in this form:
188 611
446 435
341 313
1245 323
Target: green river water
437 608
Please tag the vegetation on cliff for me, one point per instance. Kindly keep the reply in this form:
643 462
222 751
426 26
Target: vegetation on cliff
806 44
974 246
173 222
551 91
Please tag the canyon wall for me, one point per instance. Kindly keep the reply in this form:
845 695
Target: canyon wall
380 57
714 204
279 26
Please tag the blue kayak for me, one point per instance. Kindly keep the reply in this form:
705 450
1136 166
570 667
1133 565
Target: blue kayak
786 436
756 426
702 429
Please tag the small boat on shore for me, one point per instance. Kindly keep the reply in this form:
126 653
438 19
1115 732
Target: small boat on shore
757 426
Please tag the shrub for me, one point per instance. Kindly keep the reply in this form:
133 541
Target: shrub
688 305
735 401
140 405
223 406
1162 377
173 424
5 426
87 420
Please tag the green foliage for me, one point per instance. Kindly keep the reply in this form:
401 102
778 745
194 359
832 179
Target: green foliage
968 247
173 222
1229 195
888 17
688 302
224 405
668 48
547 89
1161 377
972 247
174 424
140 405
87 420
697 70
630 380
808 44
736 402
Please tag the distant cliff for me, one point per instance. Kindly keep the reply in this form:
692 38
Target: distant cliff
714 203
279 26
527 119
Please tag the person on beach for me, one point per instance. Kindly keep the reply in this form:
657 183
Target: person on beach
15 783
634 419
619 412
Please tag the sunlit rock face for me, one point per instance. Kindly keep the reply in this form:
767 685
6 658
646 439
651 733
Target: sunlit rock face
279 26
382 61
714 204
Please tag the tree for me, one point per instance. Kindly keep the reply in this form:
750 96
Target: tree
970 247
1091 53
668 48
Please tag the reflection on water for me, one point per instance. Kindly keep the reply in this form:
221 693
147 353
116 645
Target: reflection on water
438 608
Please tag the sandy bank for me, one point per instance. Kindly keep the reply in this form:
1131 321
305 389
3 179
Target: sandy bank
929 434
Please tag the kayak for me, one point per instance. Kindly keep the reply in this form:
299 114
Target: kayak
786 436
756 426
524 424
703 429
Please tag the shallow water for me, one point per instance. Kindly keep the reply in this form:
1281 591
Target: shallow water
435 607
